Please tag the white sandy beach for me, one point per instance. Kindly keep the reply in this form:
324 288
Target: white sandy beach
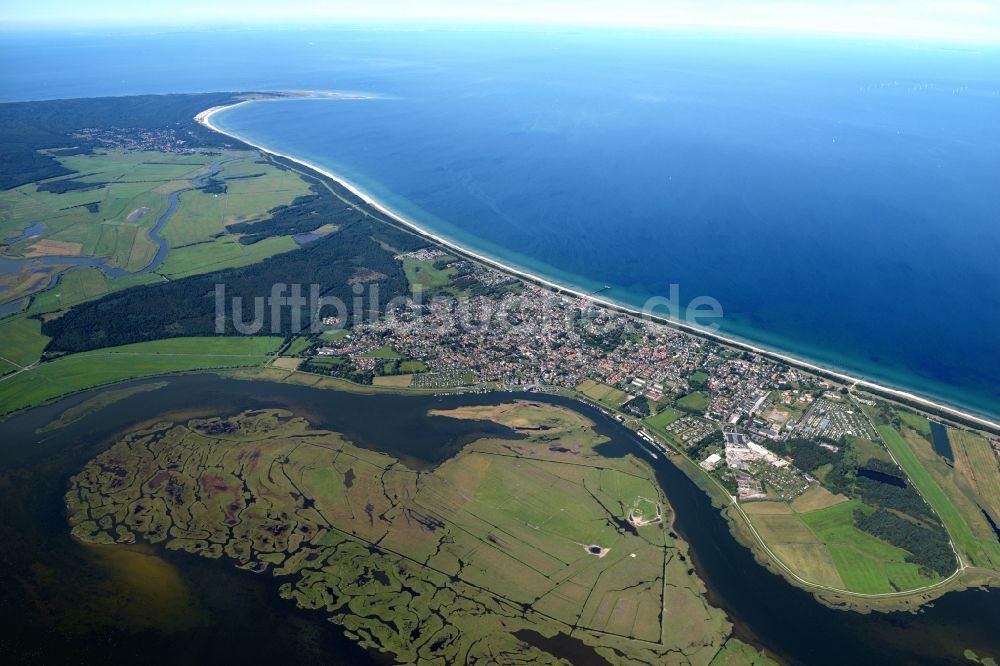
205 119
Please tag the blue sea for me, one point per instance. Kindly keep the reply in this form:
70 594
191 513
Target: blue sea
839 198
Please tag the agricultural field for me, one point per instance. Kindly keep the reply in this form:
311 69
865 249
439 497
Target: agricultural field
508 535
606 395
298 345
797 546
83 284
222 252
254 187
104 366
865 563
395 381
816 537
977 462
914 422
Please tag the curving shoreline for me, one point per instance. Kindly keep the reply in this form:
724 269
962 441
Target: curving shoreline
904 396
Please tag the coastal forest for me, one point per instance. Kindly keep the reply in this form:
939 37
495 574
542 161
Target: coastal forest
32 134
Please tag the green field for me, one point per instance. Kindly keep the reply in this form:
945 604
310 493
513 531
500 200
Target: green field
83 284
412 366
21 342
797 546
664 418
866 450
976 461
334 335
865 564
915 421
931 476
298 345
698 379
203 216
125 183
382 352
695 402
104 366
494 540
223 252
608 396
423 273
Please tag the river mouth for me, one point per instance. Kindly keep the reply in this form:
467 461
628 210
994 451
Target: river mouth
236 614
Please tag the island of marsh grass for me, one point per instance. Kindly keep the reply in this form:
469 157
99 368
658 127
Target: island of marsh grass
85 370
98 402
460 558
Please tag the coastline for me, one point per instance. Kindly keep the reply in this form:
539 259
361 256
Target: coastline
897 394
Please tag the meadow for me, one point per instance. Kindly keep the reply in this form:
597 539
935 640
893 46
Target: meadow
23 342
663 418
509 535
78 372
977 462
126 194
824 546
941 487
606 395
430 278
100 221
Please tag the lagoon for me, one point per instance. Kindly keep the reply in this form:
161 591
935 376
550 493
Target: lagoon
37 466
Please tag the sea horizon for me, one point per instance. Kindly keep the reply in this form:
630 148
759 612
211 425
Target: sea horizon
833 196
580 285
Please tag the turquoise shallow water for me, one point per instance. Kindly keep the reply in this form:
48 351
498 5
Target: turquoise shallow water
837 198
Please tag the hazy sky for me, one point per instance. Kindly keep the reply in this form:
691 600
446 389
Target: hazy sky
961 20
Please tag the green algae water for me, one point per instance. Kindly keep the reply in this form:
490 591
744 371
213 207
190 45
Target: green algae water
59 599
